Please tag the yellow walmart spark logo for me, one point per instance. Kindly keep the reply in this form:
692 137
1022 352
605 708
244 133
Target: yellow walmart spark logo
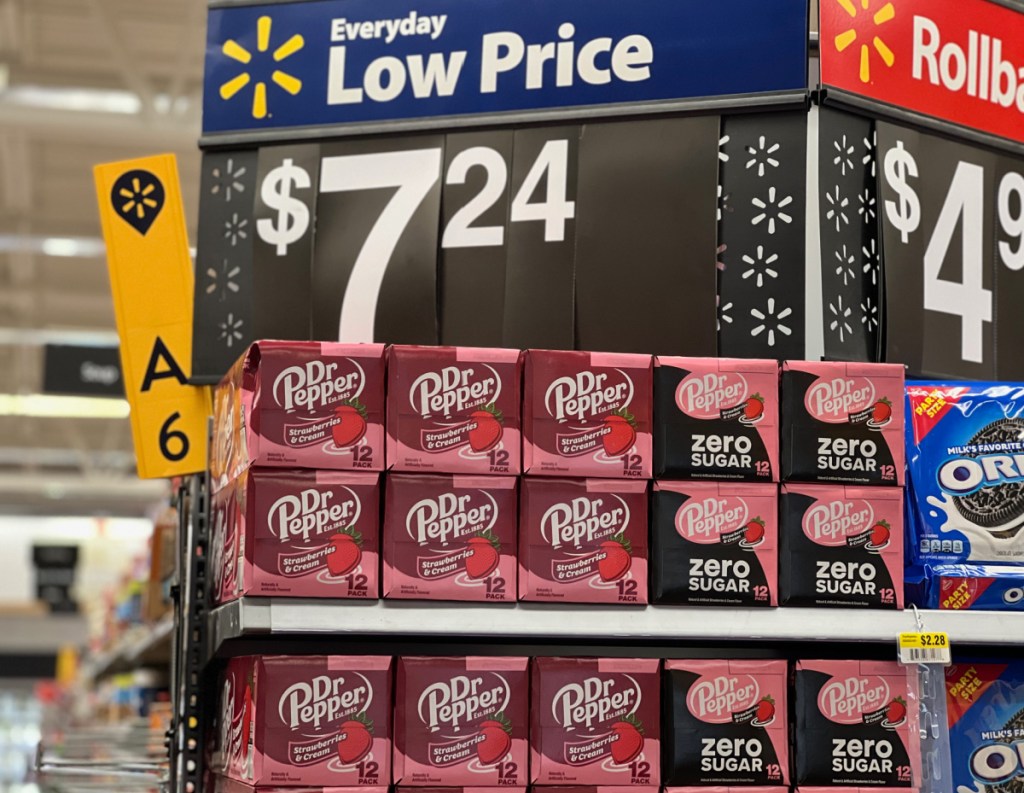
237 52
848 37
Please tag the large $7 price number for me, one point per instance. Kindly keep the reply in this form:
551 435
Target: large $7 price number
964 204
413 174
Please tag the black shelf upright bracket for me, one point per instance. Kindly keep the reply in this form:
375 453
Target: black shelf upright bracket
188 728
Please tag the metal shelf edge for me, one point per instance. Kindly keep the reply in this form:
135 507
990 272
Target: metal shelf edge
267 616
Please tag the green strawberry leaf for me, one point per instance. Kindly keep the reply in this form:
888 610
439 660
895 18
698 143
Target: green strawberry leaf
491 537
356 536
633 720
365 720
358 406
622 540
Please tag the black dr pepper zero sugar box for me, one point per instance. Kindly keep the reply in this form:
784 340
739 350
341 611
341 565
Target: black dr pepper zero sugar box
716 418
714 543
857 724
842 423
726 722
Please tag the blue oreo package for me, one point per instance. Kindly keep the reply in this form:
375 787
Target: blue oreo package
958 587
965 473
985 708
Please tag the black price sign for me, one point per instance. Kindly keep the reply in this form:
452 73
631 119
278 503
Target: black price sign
953 238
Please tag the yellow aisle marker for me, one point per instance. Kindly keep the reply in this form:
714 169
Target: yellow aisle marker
151 279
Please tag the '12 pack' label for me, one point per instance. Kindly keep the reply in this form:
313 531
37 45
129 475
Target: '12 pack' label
841 546
716 418
842 422
714 543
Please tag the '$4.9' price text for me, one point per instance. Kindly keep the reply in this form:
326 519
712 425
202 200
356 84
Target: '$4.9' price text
964 205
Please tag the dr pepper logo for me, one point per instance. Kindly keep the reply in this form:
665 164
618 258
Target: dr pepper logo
454 390
462 701
584 520
832 522
705 520
705 396
834 400
449 517
316 384
594 701
313 512
588 395
716 699
848 700
320 703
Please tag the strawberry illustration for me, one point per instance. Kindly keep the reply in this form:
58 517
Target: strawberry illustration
355 739
497 739
753 408
617 558
621 433
351 426
487 432
880 534
753 532
882 411
765 711
483 555
346 552
896 713
629 739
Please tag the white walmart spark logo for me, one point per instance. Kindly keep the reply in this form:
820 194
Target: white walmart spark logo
237 52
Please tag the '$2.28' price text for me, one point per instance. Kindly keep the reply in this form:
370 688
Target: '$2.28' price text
964 206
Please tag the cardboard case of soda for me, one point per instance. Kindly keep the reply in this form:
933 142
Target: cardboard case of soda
454 410
595 721
587 414
985 708
296 533
842 423
450 537
856 724
306 720
966 485
841 546
726 722
714 543
583 540
297 404
461 721
716 418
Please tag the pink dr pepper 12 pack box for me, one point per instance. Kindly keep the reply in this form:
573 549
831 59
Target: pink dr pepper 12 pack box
454 410
587 414
291 404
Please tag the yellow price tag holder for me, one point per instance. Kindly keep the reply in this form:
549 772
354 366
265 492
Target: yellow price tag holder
921 647
151 279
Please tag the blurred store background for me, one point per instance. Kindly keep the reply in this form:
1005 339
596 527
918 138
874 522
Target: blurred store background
84 574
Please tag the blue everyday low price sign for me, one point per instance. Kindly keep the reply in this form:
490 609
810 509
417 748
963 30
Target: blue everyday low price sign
340 62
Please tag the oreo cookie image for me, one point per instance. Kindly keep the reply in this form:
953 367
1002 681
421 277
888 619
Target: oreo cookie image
986 725
995 505
965 473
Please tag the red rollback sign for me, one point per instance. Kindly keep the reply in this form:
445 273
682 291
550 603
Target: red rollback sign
960 61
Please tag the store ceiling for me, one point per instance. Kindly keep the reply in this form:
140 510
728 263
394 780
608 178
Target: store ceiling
81 82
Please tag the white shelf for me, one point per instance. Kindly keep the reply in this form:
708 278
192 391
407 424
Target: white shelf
251 617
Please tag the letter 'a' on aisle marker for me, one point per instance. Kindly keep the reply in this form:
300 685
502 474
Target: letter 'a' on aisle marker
151 280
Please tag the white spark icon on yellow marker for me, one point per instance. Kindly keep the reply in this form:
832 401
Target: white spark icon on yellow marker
238 53
848 37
